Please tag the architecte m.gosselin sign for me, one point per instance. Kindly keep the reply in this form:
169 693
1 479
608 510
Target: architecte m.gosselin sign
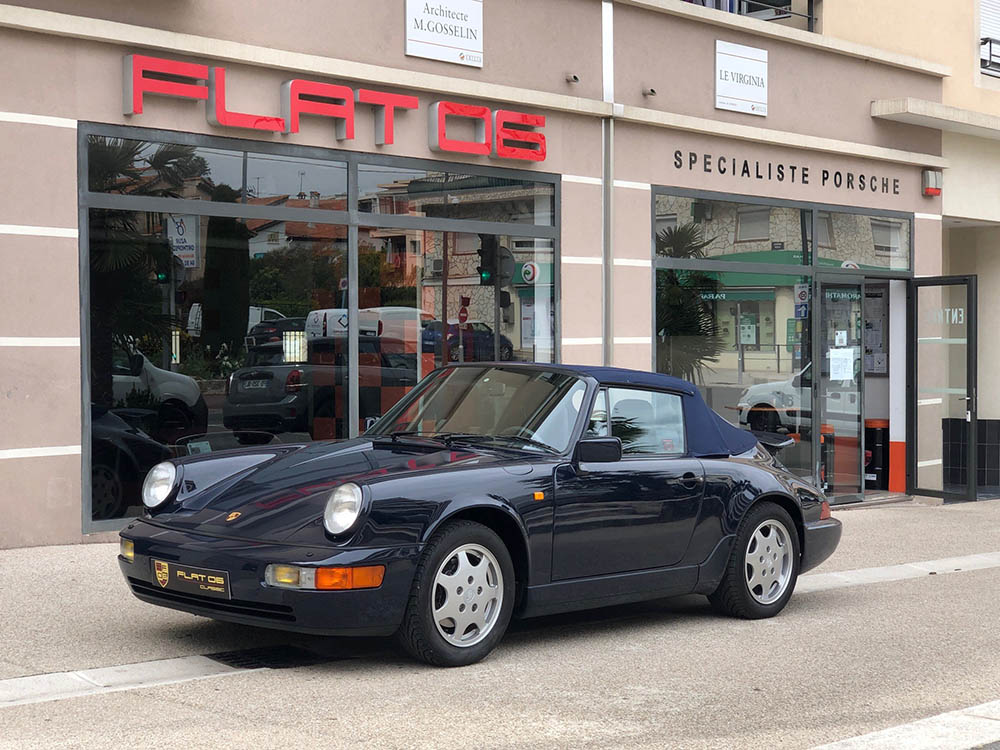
447 30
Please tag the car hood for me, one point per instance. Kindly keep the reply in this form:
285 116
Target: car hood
272 493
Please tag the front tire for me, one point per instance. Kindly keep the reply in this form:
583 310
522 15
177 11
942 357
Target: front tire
462 597
763 566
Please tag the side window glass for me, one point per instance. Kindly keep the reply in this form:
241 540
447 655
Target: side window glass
648 422
598 425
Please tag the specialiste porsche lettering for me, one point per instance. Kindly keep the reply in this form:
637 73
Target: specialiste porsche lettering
799 174
501 134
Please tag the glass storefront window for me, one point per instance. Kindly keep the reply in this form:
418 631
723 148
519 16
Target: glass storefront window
419 192
692 228
240 338
864 242
170 170
492 298
214 332
278 180
743 340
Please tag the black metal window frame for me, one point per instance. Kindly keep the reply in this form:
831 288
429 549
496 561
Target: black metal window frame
816 273
352 218
989 63
743 8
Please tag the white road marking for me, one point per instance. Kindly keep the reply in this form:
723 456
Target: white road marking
861 576
955 730
59 685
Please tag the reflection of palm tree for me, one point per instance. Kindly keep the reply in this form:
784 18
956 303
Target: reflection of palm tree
629 431
126 303
686 327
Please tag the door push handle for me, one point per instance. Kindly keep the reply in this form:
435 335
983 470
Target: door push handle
690 480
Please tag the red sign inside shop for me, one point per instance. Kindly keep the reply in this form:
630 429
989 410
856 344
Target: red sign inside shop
501 133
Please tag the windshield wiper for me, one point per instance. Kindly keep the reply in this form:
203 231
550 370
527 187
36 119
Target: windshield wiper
498 438
528 441
395 436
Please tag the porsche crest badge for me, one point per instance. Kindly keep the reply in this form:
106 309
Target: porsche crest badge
233 516
162 573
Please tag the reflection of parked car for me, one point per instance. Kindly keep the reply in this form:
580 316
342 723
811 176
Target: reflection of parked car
768 407
181 407
396 322
274 395
273 330
255 315
476 337
333 321
785 405
120 458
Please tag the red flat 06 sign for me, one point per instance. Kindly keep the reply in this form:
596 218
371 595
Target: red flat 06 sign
501 133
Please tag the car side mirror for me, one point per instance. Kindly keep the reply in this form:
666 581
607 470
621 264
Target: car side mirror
135 363
598 450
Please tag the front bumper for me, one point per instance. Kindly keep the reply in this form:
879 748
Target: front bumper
819 542
361 612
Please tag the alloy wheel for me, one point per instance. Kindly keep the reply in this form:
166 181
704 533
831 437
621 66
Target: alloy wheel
768 561
467 595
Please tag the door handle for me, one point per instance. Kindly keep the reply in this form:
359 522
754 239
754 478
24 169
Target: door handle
690 480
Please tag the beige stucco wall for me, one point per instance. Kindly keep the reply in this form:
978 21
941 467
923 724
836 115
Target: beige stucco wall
972 182
946 33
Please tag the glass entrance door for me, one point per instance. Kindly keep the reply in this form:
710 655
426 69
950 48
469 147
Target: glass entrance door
841 388
944 458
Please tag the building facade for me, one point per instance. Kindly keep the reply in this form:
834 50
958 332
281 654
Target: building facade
228 227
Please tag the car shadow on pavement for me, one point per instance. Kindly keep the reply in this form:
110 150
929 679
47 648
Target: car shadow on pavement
229 640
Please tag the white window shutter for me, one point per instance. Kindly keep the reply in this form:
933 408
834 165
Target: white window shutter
989 18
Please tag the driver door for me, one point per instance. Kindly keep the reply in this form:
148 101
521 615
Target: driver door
637 513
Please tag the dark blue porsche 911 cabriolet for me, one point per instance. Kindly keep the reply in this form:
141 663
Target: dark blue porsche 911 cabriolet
489 491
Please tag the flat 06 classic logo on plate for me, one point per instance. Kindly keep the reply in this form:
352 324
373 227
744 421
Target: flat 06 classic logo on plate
191 580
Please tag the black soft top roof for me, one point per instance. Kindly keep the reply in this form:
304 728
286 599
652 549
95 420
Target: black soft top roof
708 433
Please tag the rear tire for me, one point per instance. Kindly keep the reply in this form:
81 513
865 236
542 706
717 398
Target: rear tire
763 566
462 597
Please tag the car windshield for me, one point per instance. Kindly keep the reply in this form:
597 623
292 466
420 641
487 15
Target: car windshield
529 409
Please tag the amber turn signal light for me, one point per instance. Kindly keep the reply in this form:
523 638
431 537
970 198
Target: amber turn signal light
367 577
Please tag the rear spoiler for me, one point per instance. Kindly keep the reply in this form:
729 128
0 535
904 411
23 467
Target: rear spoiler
773 441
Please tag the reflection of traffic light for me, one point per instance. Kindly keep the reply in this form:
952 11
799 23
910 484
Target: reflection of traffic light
487 267
163 260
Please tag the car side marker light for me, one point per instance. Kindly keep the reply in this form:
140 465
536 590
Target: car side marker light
539 496
368 577
824 511
324 579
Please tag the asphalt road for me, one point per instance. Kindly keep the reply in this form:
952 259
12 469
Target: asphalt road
837 663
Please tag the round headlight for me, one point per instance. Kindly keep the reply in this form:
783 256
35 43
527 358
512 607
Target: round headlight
343 508
159 484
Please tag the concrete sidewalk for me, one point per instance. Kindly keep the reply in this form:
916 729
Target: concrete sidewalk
68 607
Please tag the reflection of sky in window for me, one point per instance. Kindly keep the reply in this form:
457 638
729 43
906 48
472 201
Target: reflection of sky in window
271 174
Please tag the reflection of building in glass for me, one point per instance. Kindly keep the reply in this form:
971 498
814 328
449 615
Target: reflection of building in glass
778 234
